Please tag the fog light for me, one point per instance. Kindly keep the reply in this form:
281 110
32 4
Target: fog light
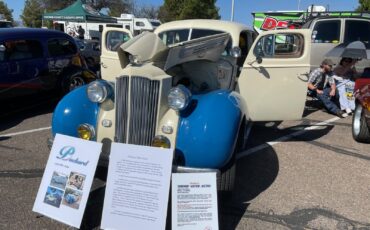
86 132
161 142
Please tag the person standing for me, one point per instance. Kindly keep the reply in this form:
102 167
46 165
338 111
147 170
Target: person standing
81 33
322 86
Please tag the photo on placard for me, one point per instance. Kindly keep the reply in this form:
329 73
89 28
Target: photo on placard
53 196
76 180
59 180
72 198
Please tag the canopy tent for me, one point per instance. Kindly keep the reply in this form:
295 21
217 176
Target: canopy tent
78 12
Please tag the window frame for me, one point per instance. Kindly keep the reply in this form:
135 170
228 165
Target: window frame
346 28
76 49
296 54
317 23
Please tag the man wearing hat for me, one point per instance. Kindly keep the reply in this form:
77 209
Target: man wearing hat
322 86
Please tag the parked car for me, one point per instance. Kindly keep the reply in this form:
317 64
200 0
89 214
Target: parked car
192 86
39 59
329 31
90 50
361 115
6 24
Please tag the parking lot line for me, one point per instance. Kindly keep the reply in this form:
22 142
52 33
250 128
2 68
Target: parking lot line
285 138
25 132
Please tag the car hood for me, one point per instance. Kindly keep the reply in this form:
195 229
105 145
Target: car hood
148 47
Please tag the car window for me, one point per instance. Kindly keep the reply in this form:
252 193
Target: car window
2 52
141 24
199 33
327 31
155 23
115 39
357 30
61 47
22 49
174 36
279 46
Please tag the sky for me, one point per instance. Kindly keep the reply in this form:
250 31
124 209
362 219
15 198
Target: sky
242 8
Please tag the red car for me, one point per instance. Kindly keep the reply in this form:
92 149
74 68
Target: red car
361 116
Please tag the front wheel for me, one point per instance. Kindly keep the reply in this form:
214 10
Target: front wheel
228 174
360 129
72 82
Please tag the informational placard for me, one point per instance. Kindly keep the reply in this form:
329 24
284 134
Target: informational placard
67 179
194 201
137 189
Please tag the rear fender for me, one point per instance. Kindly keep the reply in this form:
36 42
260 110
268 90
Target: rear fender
74 109
207 134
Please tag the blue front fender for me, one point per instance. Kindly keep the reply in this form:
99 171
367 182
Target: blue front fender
207 134
74 109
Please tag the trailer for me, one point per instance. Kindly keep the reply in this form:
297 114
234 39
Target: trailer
138 25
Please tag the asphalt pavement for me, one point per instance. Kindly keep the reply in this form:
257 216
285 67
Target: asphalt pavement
306 174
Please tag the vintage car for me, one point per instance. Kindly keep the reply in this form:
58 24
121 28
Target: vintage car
33 60
90 50
192 86
361 115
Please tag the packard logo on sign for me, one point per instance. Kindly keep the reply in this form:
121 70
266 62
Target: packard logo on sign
66 154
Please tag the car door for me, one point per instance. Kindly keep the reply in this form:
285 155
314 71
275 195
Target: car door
273 80
111 40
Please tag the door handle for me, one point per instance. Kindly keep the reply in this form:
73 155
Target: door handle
103 65
303 77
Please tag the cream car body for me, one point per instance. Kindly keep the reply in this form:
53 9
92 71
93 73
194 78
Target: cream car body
229 83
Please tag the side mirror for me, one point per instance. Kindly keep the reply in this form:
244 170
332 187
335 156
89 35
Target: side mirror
236 52
259 59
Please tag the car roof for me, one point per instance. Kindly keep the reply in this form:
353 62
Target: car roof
233 28
310 21
19 32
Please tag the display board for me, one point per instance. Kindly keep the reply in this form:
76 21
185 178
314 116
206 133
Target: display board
67 179
194 201
137 189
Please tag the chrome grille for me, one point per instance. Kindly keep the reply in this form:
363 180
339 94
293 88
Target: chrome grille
136 109
122 85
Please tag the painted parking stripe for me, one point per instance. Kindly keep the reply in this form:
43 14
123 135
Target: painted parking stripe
25 132
285 138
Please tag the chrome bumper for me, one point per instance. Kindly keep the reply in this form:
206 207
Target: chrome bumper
182 169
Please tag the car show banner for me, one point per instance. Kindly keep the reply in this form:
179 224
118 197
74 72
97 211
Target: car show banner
194 201
67 179
137 189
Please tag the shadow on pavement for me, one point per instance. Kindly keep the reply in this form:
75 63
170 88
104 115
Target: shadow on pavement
15 110
94 208
255 173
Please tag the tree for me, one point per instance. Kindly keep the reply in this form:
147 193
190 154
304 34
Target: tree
364 5
147 11
5 12
54 5
188 9
32 13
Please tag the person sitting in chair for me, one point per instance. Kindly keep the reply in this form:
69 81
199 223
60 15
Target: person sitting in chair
322 85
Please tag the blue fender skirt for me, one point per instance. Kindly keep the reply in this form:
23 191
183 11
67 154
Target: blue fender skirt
74 109
207 133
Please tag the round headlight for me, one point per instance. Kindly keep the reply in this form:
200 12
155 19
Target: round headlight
179 98
161 142
86 131
98 91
